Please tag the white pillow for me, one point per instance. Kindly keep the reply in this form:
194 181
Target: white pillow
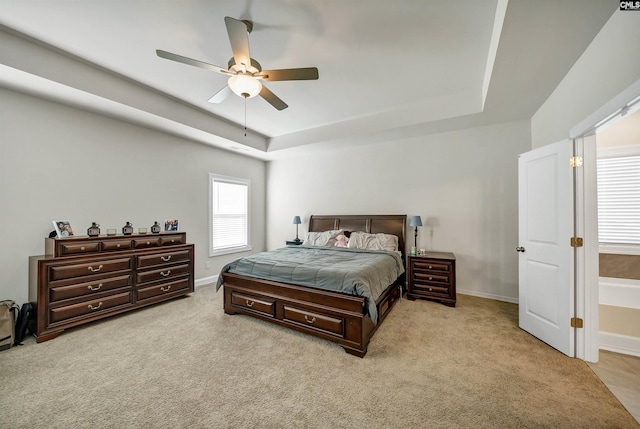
324 238
380 241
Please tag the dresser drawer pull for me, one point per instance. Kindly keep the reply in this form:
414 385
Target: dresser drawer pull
430 267
95 308
250 304
82 248
313 319
94 288
173 241
167 289
167 259
430 289
163 274
95 270
430 278
118 246
148 243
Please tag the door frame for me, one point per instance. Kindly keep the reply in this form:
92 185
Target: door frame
586 222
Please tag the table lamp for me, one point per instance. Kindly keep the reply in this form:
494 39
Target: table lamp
416 221
297 221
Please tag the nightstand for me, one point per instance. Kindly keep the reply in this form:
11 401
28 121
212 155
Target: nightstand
294 243
433 277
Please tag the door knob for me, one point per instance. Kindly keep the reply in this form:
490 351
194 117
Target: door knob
520 249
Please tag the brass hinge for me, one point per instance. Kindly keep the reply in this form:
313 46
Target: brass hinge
576 241
575 161
576 322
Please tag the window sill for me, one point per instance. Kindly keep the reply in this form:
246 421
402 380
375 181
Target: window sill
619 249
230 250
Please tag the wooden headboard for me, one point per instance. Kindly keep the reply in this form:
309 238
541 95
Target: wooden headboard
373 224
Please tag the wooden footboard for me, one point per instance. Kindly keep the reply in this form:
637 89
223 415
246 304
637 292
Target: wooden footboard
332 316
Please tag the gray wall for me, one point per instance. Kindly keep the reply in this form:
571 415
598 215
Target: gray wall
58 162
462 183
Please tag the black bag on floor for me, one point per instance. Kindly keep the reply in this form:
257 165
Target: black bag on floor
8 310
23 324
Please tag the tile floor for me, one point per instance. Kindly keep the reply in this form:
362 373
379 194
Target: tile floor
621 374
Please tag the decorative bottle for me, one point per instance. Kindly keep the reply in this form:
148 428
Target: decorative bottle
155 228
127 229
94 230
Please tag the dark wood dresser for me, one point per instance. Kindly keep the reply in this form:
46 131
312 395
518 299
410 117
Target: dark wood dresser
433 276
82 279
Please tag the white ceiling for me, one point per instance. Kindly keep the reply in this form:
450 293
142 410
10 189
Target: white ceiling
386 67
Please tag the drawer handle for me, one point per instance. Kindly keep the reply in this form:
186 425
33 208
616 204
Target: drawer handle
95 270
165 290
430 290
173 241
430 278
95 308
148 243
167 259
82 248
163 274
313 319
250 303
94 288
117 245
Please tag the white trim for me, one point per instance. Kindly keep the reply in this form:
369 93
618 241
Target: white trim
488 296
620 343
620 292
239 181
206 281
619 249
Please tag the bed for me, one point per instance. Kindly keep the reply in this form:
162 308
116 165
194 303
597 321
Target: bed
343 318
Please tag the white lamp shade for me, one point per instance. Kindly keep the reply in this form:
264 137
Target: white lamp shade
245 86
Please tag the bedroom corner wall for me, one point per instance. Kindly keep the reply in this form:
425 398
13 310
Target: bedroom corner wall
463 183
59 162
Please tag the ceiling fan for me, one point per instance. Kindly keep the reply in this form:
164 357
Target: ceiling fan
245 73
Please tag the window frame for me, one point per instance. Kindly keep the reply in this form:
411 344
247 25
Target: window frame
618 152
213 177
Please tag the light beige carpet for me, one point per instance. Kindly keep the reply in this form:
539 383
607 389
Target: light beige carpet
185 364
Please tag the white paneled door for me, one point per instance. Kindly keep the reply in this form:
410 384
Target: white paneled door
546 258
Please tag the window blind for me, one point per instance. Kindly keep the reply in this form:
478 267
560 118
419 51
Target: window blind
229 214
619 200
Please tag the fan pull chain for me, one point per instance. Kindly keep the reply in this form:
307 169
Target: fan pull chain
245 116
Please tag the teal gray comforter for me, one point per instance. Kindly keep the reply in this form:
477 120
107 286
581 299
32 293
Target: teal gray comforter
365 273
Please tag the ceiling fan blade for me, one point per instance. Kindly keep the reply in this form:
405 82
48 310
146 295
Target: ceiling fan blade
221 95
190 61
239 38
307 73
272 98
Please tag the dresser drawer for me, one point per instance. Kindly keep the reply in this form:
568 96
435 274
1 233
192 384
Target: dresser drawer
171 240
259 305
162 289
116 245
432 265
59 293
79 248
431 278
145 242
59 272
320 322
163 273
94 306
164 258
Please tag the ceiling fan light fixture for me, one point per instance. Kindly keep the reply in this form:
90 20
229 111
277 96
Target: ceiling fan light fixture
245 86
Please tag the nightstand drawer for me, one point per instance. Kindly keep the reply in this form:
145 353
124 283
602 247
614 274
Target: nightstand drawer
431 289
431 278
432 266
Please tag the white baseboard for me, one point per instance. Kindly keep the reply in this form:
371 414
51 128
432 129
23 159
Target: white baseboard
488 296
206 280
620 343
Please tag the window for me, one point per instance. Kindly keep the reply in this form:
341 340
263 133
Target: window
619 200
229 215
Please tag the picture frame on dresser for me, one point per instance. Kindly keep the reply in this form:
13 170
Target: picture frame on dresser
63 228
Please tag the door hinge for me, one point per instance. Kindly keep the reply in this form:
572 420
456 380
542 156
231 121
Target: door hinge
575 161
576 241
576 322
